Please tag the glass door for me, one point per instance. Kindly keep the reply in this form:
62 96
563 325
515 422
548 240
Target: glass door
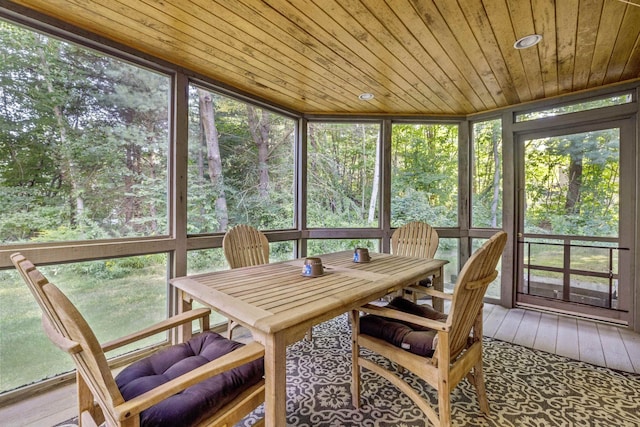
574 200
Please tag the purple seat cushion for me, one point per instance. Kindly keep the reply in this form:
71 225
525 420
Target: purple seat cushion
410 307
408 336
199 401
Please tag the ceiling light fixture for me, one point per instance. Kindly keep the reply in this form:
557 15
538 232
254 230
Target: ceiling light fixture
527 41
365 96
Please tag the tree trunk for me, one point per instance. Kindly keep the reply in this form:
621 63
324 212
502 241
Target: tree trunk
375 185
68 172
153 209
131 202
260 129
210 132
202 149
575 183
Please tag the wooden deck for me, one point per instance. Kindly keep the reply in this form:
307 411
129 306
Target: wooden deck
592 342
597 343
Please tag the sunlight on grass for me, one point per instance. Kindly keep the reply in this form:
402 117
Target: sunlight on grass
113 306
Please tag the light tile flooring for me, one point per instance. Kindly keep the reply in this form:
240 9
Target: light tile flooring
593 342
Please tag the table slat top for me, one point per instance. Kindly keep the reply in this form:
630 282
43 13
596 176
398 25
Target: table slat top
273 296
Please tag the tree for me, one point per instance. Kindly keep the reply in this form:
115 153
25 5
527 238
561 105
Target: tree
255 149
572 183
340 174
260 129
375 187
486 174
214 160
424 170
76 129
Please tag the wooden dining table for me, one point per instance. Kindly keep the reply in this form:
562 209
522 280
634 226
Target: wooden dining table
279 305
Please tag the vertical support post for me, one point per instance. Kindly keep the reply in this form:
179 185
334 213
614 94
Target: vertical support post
355 354
566 267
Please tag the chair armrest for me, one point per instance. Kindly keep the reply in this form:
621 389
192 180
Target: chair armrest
405 317
187 316
432 292
240 356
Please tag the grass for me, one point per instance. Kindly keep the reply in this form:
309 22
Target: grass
113 308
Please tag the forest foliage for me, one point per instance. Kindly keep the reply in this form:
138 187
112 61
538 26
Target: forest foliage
85 148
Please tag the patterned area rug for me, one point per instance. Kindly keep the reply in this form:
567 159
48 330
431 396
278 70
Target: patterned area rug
525 387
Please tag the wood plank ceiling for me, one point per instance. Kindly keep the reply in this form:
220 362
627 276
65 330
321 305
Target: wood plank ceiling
436 57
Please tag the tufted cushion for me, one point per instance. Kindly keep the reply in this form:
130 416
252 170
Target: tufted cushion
411 337
410 307
199 401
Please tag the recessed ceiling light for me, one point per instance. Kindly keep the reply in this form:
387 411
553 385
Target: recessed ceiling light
528 41
365 96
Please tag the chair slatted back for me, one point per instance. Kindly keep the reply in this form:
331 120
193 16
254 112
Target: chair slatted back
63 323
474 279
245 246
415 239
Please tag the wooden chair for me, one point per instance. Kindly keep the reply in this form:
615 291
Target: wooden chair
441 349
416 239
244 246
147 392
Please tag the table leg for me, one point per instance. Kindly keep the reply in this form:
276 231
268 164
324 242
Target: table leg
184 303
438 285
275 400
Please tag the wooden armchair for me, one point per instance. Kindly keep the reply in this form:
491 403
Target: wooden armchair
209 380
441 349
416 239
244 246
420 240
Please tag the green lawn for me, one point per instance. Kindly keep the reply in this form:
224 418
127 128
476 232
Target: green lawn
113 307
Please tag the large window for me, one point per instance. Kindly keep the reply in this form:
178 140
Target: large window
241 165
424 174
575 107
83 143
343 175
83 156
116 296
208 260
449 250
